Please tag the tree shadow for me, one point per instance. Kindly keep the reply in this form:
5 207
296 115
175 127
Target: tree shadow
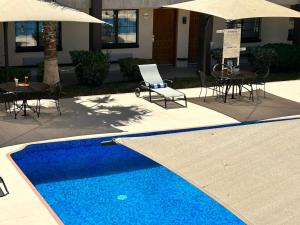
93 112
80 116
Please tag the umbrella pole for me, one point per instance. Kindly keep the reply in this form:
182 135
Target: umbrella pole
203 61
6 60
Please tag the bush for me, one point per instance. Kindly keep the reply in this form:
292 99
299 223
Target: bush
14 72
93 67
261 57
129 67
288 57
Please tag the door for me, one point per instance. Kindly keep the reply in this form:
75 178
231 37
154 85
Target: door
194 37
165 35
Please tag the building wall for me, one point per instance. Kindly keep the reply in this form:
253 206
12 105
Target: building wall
75 36
182 38
273 30
77 4
137 4
128 4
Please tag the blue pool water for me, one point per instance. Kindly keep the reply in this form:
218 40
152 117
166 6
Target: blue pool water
86 183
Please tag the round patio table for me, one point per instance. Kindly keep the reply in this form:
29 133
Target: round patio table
235 79
23 92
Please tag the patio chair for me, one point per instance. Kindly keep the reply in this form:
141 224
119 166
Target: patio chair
51 94
67 70
262 75
8 98
213 82
154 83
3 188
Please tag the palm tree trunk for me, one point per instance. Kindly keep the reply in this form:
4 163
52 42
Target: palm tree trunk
51 75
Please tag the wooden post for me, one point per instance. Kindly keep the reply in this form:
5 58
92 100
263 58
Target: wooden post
95 29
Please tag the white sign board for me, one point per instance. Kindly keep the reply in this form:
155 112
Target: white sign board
232 43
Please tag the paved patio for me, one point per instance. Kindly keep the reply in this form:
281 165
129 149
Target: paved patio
117 113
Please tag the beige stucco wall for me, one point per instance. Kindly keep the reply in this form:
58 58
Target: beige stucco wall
74 37
119 4
136 4
77 4
130 4
273 30
182 37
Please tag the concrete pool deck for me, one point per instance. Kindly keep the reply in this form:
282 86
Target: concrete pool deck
253 170
100 115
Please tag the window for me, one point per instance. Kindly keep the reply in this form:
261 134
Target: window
122 33
250 29
29 36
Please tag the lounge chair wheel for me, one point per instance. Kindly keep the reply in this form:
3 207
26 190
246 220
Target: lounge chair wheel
137 92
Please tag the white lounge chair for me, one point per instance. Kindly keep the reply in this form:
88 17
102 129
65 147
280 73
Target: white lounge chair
154 83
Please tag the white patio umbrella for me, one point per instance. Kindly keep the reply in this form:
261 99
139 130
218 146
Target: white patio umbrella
236 9
35 10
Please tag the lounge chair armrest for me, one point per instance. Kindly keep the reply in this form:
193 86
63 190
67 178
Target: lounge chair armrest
144 83
71 69
181 93
168 81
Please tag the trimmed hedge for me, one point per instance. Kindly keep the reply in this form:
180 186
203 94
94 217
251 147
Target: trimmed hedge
261 57
93 67
129 67
288 57
279 56
14 72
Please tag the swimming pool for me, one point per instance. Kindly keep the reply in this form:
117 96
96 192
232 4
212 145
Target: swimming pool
86 183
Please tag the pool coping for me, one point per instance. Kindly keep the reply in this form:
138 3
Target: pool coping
13 149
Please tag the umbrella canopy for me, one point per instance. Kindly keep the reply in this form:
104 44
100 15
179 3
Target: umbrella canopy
237 9
34 10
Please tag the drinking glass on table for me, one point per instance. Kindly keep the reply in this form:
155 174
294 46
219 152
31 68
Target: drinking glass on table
16 82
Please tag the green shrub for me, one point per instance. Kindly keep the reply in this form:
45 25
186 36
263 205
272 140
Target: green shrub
14 72
93 67
261 57
217 54
129 67
288 57
40 72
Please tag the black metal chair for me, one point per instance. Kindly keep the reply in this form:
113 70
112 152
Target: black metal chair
67 70
213 82
248 85
262 75
51 94
3 188
8 98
